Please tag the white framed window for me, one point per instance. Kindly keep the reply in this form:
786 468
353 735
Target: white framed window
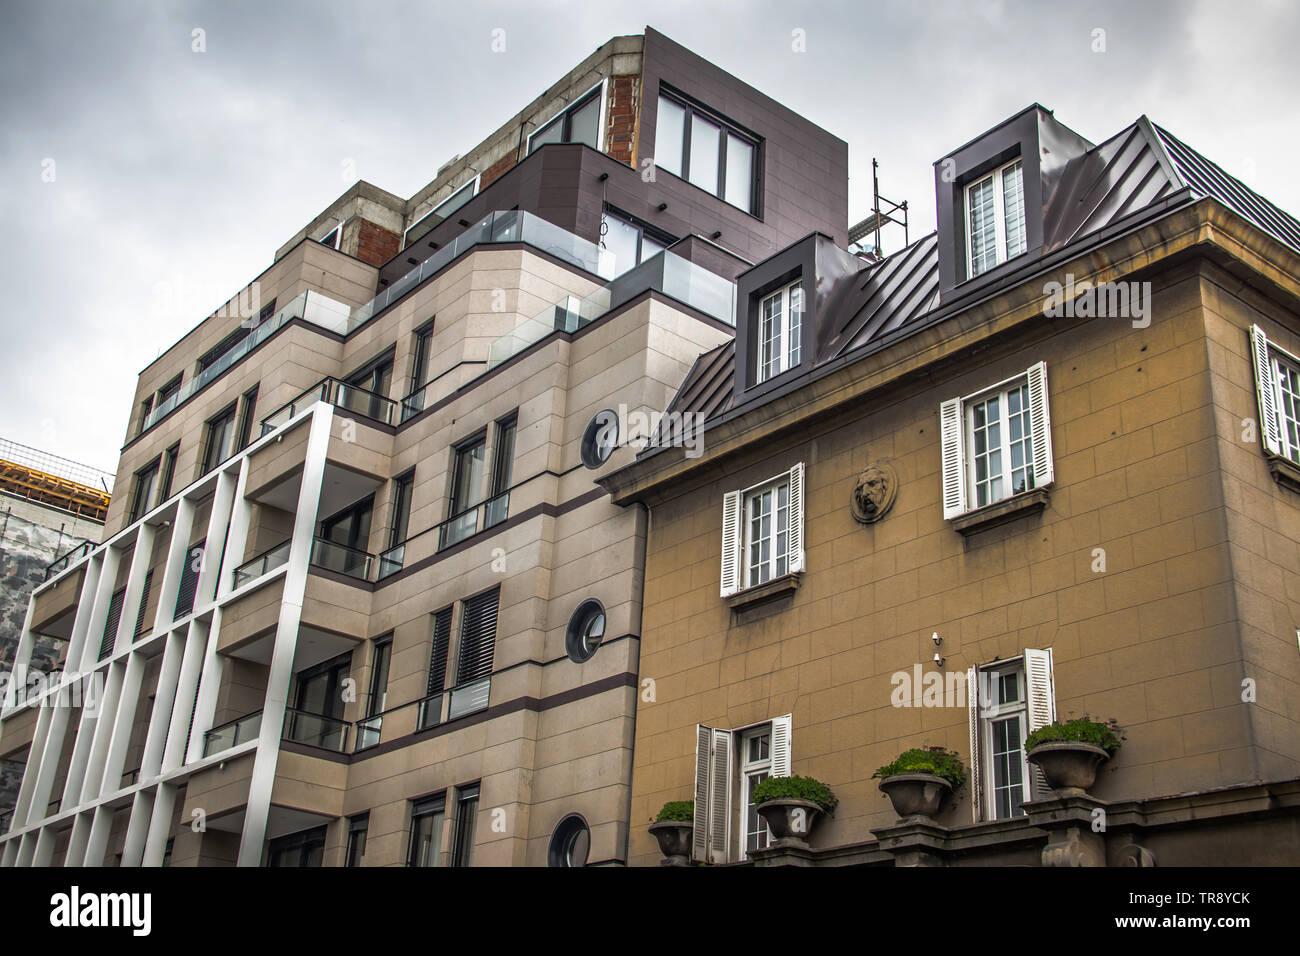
580 122
996 443
731 762
995 218
333 238
762 531
1007 700
1277 389
780 327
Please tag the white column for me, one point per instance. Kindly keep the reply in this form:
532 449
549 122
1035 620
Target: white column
85 610
49 764
137 828
286 640
44 851
77 841
174 567
123 723
26 849
94 778
187 685
23 806
140 560
205 707
104 588
101 823
11 853
223 498
160 823
22 658
163 701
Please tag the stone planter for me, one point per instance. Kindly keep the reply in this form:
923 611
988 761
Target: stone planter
915 794
790 820
1069 766
674 838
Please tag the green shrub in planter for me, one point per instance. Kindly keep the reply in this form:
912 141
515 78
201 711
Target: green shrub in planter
795 788
678 811
933 760
1084 730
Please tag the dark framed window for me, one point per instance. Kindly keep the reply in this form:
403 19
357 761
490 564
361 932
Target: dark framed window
426 831
462 849
375 379
478 635
170 389
169 471
380 658
630 240
707 151
358 826
318 691
350 527
585 631
146 407
298 849
578 123
140 622
570 843
467 474
210 357
431 711
246 418
402 487
503 461
110 624
599 439
420 353
189 579
216 447
146 479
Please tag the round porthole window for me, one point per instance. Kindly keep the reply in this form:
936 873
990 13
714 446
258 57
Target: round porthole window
586 630
600 439
570 843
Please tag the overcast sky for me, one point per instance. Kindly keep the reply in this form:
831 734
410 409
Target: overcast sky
145 183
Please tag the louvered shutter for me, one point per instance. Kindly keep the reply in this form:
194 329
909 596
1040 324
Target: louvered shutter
1040 706
720 797
731 539
700 834
144 601
796 517
438 656
973 771
781 727
952 444
1265 390
189 580
110 625
1040 425
478 635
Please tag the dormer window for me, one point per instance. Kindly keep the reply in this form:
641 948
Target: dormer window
780 320
995 218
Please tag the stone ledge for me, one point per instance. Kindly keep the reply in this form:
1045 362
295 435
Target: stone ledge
1000 512
1285 472
763 593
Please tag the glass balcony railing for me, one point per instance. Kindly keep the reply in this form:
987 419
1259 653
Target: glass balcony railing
430 712
463 700
310 306
472 520
64 561
368 731
265 562
350 398
665 272
231 734
337 557
392 560
315 730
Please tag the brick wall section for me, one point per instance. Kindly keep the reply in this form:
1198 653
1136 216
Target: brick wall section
496 170
1160 641
375 244
620 129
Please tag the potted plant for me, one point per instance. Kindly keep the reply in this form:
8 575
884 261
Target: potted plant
1069 752
673 828
790 806
920 779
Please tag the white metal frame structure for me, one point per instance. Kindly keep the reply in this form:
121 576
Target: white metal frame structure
189 677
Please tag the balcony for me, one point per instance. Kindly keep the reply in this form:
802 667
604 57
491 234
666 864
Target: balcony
64 561
264 563
311 307
341 559
480 517
356 400
231 734
315 730
665 272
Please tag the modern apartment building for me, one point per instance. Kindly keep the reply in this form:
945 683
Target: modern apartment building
360 600
1053 442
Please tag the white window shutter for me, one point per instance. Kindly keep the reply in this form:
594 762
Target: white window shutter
720 797
1040 707
699 835
796 517
1040 425
952 440
1265 390
731 538
781 727
973 771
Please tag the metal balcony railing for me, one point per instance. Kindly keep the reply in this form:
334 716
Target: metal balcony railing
62 562
315 730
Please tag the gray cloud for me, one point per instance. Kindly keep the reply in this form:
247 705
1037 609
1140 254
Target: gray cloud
191 169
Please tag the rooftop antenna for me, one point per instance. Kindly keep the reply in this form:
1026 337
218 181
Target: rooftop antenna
883 212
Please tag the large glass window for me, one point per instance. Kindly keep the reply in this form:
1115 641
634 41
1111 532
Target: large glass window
462 853
379 663
995 218
630 242
142 498
298 849
1004 733
704 150
755 767
579 123
426 832
220 433
402 487
1287 377
767 533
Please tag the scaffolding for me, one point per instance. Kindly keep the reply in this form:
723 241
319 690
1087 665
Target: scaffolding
70 486
883 212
